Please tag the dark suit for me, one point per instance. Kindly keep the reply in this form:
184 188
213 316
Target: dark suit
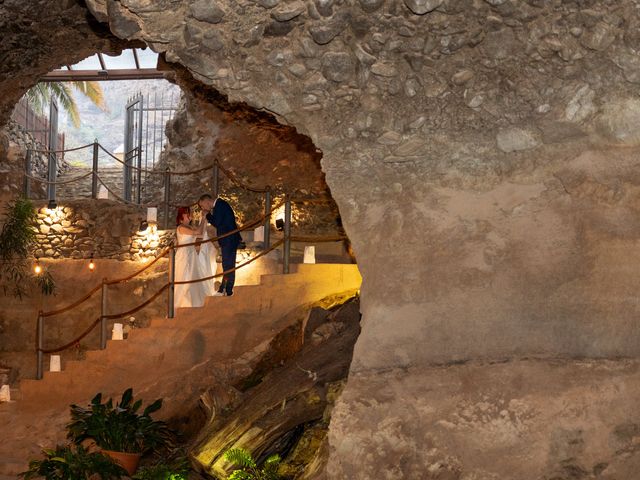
223 218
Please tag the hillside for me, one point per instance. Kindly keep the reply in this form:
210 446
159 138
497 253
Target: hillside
108 126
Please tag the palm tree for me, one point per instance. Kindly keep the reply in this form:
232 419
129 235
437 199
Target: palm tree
40 95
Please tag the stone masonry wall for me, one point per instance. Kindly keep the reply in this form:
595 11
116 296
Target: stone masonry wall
12 162
484 157
99 229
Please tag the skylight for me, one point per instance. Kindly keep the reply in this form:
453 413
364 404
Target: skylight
131 64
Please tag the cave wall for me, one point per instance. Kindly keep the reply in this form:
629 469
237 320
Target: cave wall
254 151
40 36
483 154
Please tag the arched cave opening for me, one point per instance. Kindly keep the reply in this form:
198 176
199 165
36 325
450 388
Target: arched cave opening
484 155
257 150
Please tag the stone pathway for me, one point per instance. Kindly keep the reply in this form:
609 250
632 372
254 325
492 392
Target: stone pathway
174 359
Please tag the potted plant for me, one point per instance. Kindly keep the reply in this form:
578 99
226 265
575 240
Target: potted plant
121 430
67 462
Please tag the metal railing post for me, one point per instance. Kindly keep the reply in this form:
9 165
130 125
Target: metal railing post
139 178
39 341
103 316
172 279
267 218
167 195
286 254
27 171
52 173
216 179
94 177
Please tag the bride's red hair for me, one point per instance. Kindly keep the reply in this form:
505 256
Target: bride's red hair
182 211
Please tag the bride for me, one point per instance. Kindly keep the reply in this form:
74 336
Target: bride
192 262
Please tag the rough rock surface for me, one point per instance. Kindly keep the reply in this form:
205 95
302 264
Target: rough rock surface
494 212
518 420
14 143
42 35
254 149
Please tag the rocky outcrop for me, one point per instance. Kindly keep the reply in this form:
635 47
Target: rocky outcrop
483 156
254 151
284 405
14 143
40 36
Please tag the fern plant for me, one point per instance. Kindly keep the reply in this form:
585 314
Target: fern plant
17 239
177 469
68 463
248 468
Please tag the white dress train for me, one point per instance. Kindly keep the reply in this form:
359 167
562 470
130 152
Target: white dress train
188 267
208 266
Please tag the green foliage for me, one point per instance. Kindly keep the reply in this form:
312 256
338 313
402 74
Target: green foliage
17 239
73 463
41 94
120 428
177 469
248 468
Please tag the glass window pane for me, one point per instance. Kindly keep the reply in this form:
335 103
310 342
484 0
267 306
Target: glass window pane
89 63
124 60
147 57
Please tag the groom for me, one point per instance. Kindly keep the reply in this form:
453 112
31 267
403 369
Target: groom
220 215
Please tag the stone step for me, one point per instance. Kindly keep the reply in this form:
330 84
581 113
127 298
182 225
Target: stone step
155 360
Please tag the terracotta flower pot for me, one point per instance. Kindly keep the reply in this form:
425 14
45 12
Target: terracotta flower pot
128 461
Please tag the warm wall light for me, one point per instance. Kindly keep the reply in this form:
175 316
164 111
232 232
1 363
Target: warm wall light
37 268
92 266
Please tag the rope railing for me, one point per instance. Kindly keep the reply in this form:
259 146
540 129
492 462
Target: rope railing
139 307
230 175
62 151
87 296
155 172
56 182
78 302
263 219
131 185
75 341
124 200
143 269
234 269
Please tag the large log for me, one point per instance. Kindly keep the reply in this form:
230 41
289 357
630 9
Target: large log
289 397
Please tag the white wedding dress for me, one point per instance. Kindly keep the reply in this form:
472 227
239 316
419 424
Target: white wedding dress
207 264
189 267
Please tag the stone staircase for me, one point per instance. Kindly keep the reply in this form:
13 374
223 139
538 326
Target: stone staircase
175 359
112 176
